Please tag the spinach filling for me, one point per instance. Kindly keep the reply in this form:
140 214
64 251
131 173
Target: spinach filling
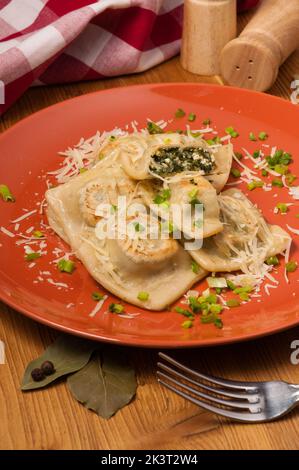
170 160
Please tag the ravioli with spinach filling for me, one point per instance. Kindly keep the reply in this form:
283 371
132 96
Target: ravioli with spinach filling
167 161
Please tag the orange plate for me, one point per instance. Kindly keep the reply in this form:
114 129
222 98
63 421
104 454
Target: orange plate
29 149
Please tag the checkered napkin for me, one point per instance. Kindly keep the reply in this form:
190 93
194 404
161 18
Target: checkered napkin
59 41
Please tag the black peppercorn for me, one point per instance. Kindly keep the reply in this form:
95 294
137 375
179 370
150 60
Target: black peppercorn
37 375
48 368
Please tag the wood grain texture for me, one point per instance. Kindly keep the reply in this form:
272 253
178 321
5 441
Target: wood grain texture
208 27
252 60
52 419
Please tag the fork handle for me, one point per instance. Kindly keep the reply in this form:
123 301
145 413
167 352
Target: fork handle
295 389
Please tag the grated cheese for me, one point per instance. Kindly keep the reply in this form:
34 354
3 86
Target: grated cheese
98 306
294 192
57 284
7 232
22 217
293 230
269 286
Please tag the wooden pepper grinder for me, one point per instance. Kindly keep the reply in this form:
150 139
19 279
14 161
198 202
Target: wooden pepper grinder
253 59
208 26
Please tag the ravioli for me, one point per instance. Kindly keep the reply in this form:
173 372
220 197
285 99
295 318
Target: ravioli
246 240
168 156
124 267
184 195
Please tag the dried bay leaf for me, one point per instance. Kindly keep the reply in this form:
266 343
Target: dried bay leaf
105 384
68 354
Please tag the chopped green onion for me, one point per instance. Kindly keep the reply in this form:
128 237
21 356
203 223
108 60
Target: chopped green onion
244 296
138 227
277 183
279 153
231 303
252 137
239 155
66 266
291 266
198 223
230 284
180 113
163 197
166 193
279 158
158 199
191 117
218 323
97 296
206 122
281 169
195 202
196 134
211 299
290 178
235 172
143 296
153 128
265 173
113 208
256 154
185 312
116 308
282 207
168 227
255 184
216 308
241 290
212 318
192 194
112 138
263 135
32 256
195 267
6 194
272 261
38 234
165 205
231 131
194 304
218 290
187 324
83 170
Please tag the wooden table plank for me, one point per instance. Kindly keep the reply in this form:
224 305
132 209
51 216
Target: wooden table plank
52 419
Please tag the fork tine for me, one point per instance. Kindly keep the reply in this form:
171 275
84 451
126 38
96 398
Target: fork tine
212 399
238 416
219 391
241 386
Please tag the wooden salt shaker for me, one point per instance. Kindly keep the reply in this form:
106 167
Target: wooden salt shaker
253 59
208 26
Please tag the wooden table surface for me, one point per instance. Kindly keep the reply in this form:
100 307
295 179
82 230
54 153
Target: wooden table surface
157 419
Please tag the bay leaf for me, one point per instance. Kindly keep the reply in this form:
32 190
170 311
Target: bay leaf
68 354
106 384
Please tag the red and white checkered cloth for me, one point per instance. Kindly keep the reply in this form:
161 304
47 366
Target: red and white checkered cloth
59 41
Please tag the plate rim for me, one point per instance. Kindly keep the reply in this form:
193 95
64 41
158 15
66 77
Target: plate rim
146 342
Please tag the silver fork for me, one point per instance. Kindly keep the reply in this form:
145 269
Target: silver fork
250 402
